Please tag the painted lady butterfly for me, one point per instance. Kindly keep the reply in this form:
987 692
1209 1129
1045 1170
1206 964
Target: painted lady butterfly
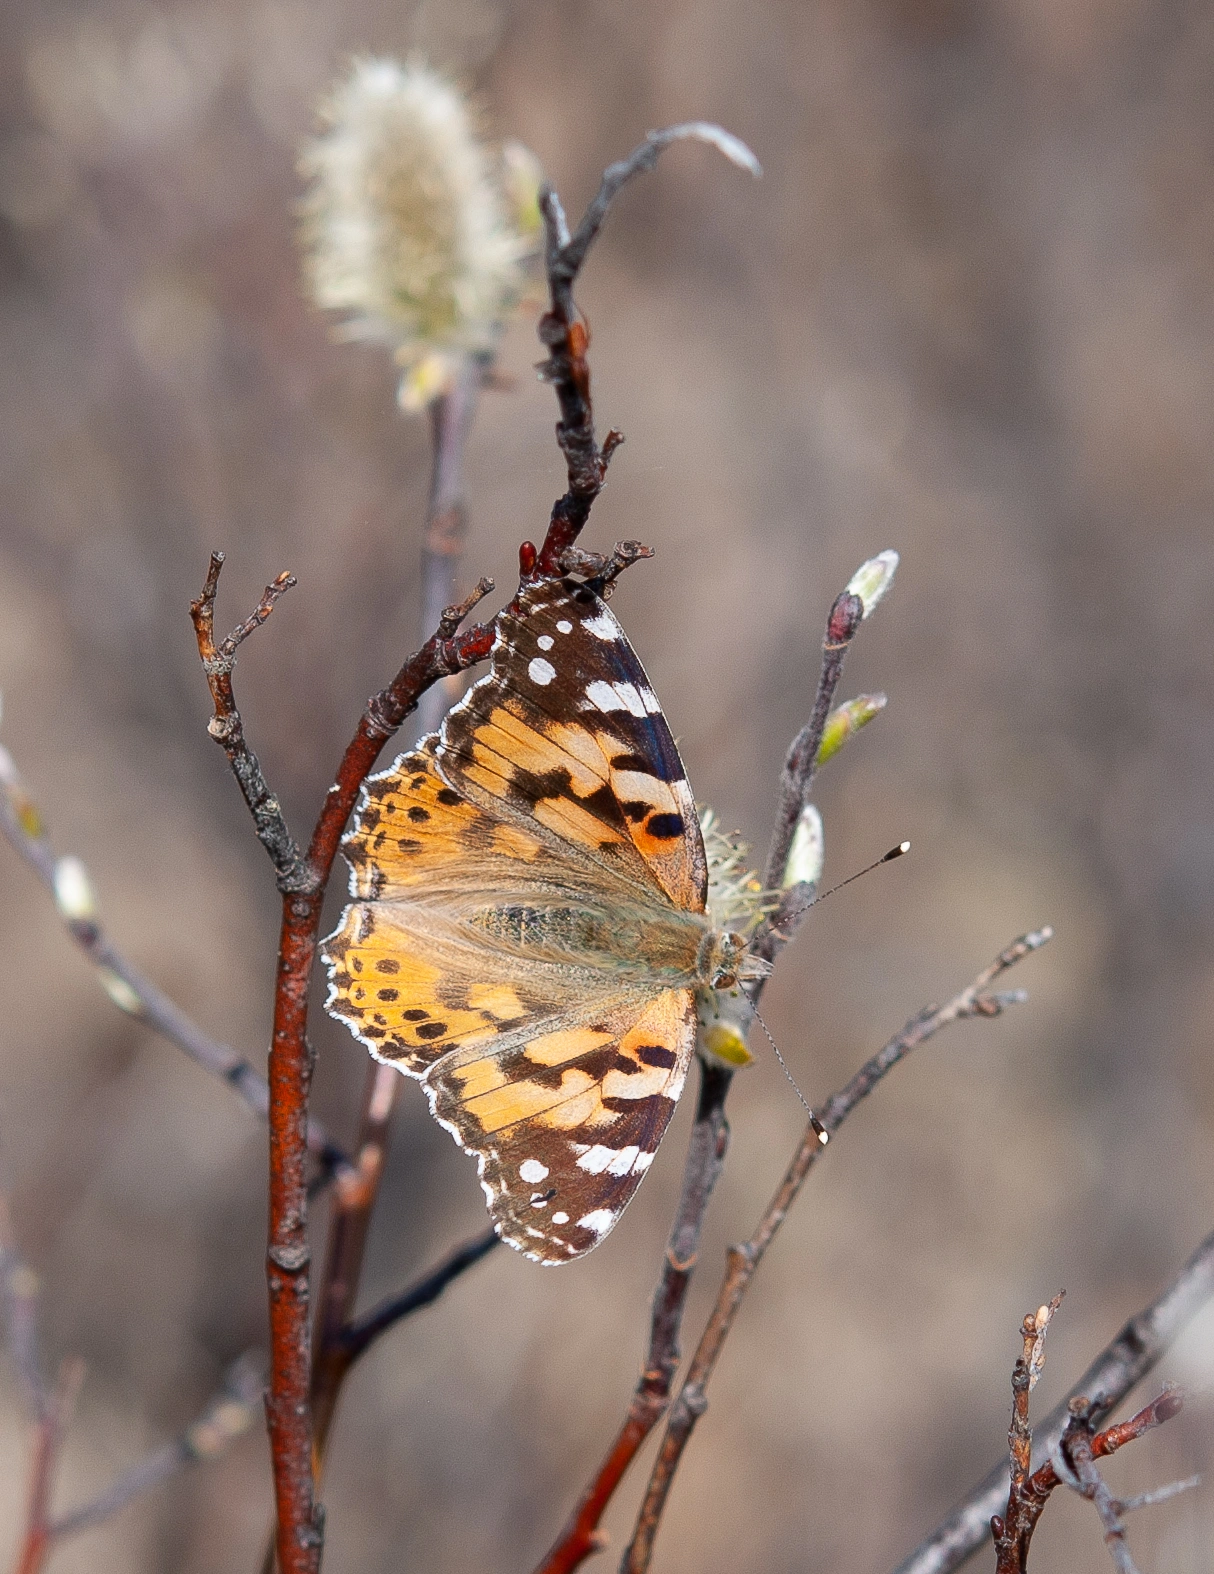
529 927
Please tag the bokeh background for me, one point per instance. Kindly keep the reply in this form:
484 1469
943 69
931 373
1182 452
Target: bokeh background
967 313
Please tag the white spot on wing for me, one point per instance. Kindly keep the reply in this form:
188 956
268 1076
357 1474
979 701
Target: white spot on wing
545 642
564 627
539 1200
533 1171
615 1161
602 626
598 1222
560 1218
607 697
541 671
642 1162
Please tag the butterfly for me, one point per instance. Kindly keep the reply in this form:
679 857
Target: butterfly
528 928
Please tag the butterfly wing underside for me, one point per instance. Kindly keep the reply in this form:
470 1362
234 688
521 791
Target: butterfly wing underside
559 1079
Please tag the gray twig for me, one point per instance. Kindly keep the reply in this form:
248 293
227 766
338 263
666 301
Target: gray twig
23 827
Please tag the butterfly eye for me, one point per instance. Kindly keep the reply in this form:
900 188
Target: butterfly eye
725 979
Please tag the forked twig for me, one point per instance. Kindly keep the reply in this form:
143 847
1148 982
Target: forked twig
1072 1463
1138 1348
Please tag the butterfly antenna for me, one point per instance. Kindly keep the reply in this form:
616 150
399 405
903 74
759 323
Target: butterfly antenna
894 852
823 1134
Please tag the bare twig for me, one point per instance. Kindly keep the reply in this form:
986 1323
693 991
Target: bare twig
800 766
352 1201
1079 1446
1071 1463
1014 1531
22 825
565 335
446 526
1139 1347
743 1261
362 1332
52 1425
226 1416
581 1535
226 727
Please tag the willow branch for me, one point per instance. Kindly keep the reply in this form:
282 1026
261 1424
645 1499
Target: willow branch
975 1000
226 726
303 881
581 1536
362 1332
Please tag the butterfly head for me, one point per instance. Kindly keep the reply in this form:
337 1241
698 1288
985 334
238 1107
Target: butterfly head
722 962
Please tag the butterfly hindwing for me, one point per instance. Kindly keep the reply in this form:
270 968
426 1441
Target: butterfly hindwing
565 1127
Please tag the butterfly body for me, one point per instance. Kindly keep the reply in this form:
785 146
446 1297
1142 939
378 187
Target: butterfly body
528 927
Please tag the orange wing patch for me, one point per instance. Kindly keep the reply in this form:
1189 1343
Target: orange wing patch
411 826
566 731
565 1127
398 1000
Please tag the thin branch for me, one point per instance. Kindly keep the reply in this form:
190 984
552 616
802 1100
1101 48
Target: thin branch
581 1535
446 527
1139 1347
23 827
226 726
352 1201
51 1431
743 1261
226 1416
362 1332
1072 1464
566 337
800 767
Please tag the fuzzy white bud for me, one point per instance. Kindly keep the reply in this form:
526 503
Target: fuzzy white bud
413 228
872 579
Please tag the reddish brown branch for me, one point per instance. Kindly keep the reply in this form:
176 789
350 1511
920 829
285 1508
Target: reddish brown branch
352 1201
1072 1463
51 1430
581 1535
743 1261
1141 1345
566 337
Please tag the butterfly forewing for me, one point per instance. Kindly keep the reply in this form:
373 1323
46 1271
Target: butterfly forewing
566 730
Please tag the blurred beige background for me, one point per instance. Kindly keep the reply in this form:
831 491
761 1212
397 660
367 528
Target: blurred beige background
967 313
